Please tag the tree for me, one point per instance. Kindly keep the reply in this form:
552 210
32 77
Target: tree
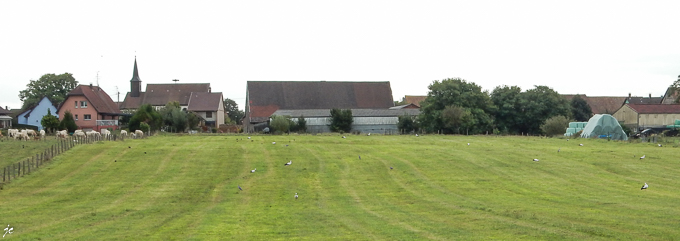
232 110
341 120
280 123
508 115
54 87
50 122
301 124
556 125
456 92
580 109
457 118
68 123
407 123
146 114
402 102
539 104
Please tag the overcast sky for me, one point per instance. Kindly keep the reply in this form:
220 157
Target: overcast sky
598 48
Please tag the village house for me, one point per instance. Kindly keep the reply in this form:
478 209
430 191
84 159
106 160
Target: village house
91 108
34 114
194 97
5 118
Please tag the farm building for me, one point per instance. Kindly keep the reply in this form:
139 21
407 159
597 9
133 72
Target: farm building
383 121
264 98
5 118
34 114
194 97
414 99
91 108
601 104
640 116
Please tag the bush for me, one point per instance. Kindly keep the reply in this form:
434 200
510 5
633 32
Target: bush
49 122
555 125
68 123
301 124
341 120
407 123
144 127
280 123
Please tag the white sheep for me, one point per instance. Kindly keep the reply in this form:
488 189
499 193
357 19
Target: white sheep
139 133
123 132
42 134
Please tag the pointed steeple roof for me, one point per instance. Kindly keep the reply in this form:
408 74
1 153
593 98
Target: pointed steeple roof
135 74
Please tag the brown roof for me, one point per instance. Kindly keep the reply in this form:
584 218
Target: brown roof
97 97
4 112
644 100
203 101
655 108
414 99
161 94
601 104
265 97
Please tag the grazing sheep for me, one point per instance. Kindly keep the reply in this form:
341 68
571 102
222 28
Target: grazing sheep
62 133
139 133
23 134
42 133
12 132
105 132
30 132
123 133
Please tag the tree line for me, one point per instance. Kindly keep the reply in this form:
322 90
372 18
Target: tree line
456 106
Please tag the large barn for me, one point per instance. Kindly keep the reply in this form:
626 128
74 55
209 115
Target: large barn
383 121
640 116
264 98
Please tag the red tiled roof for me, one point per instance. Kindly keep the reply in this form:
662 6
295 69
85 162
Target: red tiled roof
655 109
415 99
204 101
97 97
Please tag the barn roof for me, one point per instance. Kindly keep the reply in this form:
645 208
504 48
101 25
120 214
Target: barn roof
204 101
355 112
265 97
601 104
97 97
655 108
644 100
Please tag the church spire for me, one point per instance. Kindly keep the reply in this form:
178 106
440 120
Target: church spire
135 82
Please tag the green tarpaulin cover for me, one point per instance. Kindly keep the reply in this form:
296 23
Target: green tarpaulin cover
606 125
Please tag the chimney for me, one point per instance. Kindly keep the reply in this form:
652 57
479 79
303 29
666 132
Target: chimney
209 90
629 95
650 95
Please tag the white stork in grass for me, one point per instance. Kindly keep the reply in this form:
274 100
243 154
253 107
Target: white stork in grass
249 137
660 145
288 163
535 160
343 137
558 149
580 144
253 170
468 144
416 135
296 196
369 134
273 143
644 186
642 157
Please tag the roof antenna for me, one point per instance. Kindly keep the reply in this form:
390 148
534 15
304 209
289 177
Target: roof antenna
118 93
97 78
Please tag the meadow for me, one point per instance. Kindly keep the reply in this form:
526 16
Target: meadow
359 188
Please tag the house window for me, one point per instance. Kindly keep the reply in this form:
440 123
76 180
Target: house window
76 104
87 117
208 114
76 117
83 104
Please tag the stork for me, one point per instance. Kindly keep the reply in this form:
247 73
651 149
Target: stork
253 170
369 134
558 149
468 144
416 135
296 196
273 143
288 163
642 157
249 137
535 160
644 186
660 145
343 137
580 144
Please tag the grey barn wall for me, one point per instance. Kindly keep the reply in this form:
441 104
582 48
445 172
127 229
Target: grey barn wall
382 125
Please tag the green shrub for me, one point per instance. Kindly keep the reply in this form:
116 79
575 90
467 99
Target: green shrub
555 125
144 127
341 120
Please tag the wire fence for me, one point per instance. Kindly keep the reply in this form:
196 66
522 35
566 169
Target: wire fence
33 163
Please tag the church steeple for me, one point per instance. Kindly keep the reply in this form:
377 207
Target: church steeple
135 82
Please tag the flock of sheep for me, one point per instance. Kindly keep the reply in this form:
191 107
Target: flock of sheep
26 134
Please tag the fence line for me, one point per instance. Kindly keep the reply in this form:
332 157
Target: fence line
33 163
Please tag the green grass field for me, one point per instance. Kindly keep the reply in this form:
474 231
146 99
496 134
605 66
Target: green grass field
185 187
12 151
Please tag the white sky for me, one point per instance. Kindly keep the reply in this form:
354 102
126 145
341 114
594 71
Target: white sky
598 48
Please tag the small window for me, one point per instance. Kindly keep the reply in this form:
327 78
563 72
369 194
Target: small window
208 114
87 117
76 104
76 117
83 104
